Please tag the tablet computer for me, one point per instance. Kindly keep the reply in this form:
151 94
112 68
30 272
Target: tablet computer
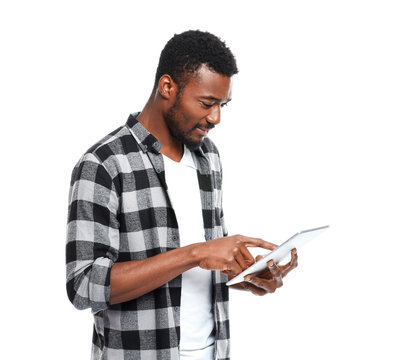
297 241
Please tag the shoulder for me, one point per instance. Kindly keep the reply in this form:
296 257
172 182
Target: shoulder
110 153
118 142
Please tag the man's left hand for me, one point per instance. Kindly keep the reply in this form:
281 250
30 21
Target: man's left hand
270 279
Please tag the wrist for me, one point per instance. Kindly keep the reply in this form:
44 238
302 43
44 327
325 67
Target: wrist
196 252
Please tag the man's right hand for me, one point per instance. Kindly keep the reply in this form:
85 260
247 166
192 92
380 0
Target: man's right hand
229 254
132 279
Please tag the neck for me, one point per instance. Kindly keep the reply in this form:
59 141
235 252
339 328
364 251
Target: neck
152 118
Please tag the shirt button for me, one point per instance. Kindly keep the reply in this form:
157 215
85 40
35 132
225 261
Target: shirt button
176 308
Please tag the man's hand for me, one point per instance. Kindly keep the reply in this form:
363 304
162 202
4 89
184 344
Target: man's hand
229 254
270 279
132 279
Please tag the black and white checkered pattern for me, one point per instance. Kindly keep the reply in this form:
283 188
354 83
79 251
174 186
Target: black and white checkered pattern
119 210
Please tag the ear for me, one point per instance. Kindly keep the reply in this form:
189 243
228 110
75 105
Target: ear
167 88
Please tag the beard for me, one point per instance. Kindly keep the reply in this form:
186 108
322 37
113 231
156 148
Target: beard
184 136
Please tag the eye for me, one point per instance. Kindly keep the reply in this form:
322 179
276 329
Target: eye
207 105
224 104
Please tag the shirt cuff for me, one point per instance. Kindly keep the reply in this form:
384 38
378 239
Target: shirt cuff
99 284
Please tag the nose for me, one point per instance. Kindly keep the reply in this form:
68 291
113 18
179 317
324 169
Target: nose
214 117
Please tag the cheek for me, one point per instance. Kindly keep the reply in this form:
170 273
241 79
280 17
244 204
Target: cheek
192 113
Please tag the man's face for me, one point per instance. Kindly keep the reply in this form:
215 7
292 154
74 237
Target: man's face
197 109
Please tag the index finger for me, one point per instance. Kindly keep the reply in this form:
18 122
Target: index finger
256 242
247 255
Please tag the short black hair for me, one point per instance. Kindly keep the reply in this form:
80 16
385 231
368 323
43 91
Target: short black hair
185 53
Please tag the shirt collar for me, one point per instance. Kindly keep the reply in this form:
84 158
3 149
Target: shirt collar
145 139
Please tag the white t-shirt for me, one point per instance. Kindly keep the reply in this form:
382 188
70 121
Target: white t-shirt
196 314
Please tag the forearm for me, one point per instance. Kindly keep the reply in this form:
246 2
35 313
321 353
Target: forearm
132 279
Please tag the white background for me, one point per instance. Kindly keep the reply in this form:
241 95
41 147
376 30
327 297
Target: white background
307 141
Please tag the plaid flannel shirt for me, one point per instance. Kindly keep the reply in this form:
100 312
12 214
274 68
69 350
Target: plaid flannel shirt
119 210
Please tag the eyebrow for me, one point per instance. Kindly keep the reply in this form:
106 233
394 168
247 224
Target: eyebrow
212 98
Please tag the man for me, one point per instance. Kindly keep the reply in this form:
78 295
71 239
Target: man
147 248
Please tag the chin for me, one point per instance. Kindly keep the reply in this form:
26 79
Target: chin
193 144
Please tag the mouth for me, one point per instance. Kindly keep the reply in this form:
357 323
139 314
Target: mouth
201 131
204 129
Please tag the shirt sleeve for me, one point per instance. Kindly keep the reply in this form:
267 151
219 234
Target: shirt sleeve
92 235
